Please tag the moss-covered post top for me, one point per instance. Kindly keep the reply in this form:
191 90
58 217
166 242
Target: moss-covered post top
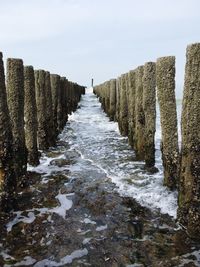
55 75
194 48
28 67
28 70
15 60
166 63
149 64
140 68
15 63
39 71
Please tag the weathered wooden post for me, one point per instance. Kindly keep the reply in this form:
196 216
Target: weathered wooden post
139 116
117 99
107 97
127 101
63 101
71 88
59 107
131 107
95 90
112 99
123 107
55 84
67 99
30 114
103 97
69 104
7 175
103 93
100 93
149 107
189 187
41 109
15 97
72 97
100 90
77 94
165 81
51 135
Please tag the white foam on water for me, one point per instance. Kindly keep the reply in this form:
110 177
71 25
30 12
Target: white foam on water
65 204
99 142
27 261
48 243
88 221
65 260
83 232
89 90
135 265
70 194
101 228
6 256
20 218
45 167
189 258
86 240
153 195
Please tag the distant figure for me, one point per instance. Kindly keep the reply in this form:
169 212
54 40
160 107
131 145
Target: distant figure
92 83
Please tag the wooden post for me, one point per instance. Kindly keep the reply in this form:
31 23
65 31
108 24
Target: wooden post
15 97
59 107
123 107
7 175
41 109
131 107
165 80
117 99
49 111
139 116
149 107
189 193
112 99
55 84
30 114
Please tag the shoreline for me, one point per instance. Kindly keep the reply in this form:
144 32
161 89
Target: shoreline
98 228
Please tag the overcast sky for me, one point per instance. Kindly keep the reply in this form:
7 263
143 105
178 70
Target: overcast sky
81 39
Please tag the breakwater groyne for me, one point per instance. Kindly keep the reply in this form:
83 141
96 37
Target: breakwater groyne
34 108
130 99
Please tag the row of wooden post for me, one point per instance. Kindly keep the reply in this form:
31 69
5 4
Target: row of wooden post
131 101
34 108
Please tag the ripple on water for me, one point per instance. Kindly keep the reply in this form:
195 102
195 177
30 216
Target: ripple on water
65 204
98 140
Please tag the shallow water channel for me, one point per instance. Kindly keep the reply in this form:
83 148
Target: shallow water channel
89 203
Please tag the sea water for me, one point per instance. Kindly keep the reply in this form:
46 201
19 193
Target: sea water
97 139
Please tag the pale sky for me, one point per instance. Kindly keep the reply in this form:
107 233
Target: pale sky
81 39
